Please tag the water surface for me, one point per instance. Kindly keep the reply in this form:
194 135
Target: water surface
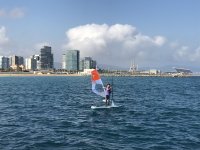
54 113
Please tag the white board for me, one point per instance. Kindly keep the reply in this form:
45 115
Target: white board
103 107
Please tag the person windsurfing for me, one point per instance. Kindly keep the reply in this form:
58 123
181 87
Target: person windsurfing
108 91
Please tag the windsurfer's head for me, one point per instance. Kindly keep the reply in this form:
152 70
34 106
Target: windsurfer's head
108 84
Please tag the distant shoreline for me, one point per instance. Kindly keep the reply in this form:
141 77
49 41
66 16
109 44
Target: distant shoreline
74 75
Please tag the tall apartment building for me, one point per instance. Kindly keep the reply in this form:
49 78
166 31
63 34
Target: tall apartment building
37 58
20 60
16 63
46 58
14 60
4 62
71 60
87 63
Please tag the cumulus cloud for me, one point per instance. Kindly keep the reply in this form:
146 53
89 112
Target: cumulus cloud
119 44
159 40
196 55
13 13
116 44
186 54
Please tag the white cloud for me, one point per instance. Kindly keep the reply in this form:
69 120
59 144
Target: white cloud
13 13
186 54
196 55
113 45
159 40
117 44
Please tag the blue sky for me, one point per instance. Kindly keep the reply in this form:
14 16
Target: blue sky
26 25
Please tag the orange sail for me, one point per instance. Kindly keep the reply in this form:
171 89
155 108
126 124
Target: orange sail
95 75
97 84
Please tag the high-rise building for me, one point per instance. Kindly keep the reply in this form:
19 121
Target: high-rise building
31 63
17 63
71 60
4 62
20 60
64 61
87 63
37 58
14 60
46 58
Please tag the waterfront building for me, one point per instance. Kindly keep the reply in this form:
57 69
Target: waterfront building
28 63
71 60
183 70
87 63
17 63
4 63
31 63
14 60
20 60
64 61
46 58
86 72
37 59
151 72
10 61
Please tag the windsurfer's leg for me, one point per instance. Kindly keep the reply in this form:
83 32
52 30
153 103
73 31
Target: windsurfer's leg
107 99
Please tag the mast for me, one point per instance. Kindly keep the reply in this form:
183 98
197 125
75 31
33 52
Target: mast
112 87
133 67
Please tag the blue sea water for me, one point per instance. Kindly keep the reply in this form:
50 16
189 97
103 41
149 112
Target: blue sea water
47 113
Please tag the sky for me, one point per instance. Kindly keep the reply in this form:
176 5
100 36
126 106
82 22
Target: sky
152 33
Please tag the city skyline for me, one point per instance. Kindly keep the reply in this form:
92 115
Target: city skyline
71 61
153 33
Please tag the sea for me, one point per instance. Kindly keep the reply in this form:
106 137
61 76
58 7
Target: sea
54 113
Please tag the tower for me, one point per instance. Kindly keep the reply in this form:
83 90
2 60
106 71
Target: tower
133 68
71 60
46 58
